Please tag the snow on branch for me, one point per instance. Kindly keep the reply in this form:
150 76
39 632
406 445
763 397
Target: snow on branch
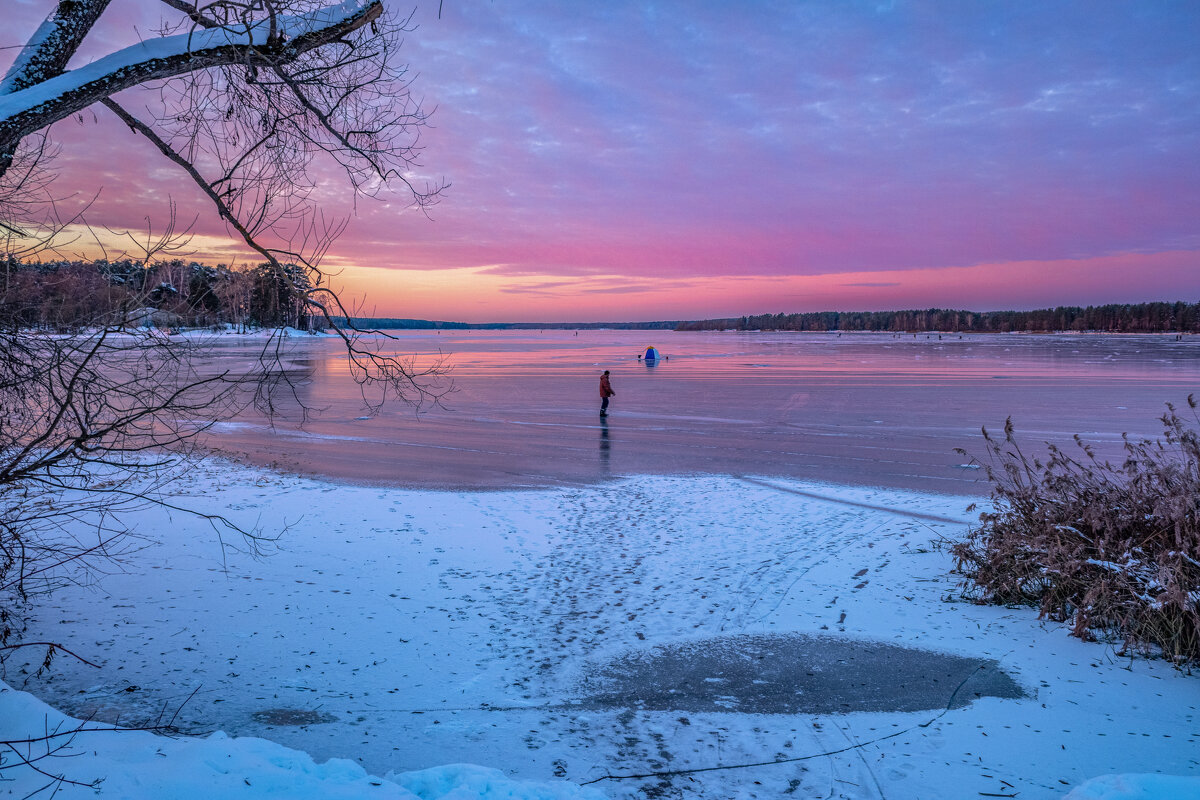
264 42
52 44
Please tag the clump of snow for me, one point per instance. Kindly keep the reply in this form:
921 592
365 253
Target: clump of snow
469 782
1137 787
140 764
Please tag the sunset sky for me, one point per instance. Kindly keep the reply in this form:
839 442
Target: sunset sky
634 161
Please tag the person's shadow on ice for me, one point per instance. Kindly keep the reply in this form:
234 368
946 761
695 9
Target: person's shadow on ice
605 446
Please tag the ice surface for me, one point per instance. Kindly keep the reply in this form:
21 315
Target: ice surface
867 409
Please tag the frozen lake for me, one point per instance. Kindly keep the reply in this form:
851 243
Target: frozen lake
760 609
870 409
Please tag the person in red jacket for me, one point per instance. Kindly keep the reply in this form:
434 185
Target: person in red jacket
606 391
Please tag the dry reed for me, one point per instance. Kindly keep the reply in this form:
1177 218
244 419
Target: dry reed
1114 549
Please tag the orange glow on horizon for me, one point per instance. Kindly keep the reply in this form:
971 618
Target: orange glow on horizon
480 295
502 293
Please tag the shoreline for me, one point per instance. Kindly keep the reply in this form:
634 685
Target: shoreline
285 466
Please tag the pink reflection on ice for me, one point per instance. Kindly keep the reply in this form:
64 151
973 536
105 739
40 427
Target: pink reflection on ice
857 408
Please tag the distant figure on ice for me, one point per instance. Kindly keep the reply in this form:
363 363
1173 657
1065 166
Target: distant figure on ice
606 391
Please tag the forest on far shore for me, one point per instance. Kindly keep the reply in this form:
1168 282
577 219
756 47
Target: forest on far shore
1176 317
66 295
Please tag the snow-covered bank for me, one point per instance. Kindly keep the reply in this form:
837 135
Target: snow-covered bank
418 628
139 764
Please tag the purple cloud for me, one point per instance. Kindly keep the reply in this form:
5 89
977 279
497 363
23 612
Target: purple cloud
714 139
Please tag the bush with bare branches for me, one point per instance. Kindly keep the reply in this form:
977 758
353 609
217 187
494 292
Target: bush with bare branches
1112 548
92 428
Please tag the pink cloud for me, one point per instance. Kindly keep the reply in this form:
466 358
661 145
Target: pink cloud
967 158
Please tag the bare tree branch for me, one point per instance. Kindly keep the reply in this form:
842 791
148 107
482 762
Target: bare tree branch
223 210
259 43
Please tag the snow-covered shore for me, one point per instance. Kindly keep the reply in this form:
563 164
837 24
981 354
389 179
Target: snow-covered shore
139 764
417 628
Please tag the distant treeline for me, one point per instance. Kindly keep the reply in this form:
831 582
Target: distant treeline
1118 318
64 295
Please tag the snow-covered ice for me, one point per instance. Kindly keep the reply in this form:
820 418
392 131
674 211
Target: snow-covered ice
631 630
439 627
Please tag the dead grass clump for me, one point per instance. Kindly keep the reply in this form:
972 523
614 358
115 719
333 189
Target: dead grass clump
1112 548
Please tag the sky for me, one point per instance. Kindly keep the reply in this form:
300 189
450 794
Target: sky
636 160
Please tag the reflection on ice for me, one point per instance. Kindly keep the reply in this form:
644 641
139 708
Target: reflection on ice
879 409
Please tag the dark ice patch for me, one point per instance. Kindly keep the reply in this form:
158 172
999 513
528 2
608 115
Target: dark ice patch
291 716
792 674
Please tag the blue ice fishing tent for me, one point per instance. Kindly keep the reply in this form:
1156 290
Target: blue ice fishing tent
651 354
